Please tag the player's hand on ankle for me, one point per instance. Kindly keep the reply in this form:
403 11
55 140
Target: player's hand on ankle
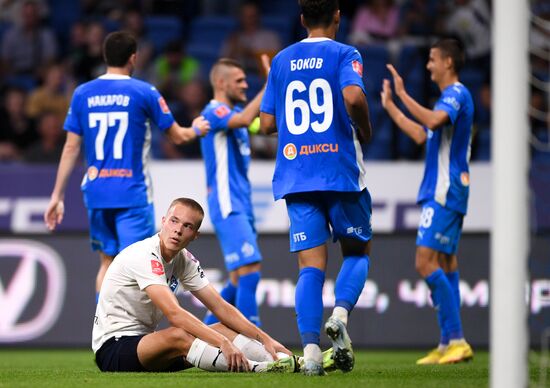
236 361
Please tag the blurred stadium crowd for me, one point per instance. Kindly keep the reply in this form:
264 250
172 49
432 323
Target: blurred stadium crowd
48 47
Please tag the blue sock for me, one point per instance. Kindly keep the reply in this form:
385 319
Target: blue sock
445 304
444 339
309 304
96 297
228 293
245 300
454 279
351 280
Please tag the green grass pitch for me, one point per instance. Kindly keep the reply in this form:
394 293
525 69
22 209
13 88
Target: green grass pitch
75 368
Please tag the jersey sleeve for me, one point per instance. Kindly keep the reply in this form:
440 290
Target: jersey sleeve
72 123
159 111
450 102
268 100
191 276
351 69
147 270
218 116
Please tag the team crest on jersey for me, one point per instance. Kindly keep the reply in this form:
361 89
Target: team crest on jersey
92 172
289 151
173 283
157 267
465 179
221 111
357 67
163 105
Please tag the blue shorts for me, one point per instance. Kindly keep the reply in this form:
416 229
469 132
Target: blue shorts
120 355
238 240
112 230
439 228
314 214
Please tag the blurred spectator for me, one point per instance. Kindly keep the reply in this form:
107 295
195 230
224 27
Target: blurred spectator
470 21
173 69
217 7
10 10
263 147
48 147
191 99
88 61
18 130
418 18
375 21
27 46
53 95
251 40
133 23
110 9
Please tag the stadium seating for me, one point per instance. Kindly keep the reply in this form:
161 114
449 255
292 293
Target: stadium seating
483 145
211 31
381 145
163 29
375 58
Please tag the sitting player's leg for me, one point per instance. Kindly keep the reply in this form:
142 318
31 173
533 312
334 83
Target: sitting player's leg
252 349
165 349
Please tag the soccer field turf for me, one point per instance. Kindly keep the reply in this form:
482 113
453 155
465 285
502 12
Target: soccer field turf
73 368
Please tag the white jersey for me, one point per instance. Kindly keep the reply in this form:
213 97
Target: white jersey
124 309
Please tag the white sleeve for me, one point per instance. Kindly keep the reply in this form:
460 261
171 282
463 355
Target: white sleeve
146 269
192 276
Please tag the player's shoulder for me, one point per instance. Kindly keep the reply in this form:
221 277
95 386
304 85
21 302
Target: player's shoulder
188 259
216 109
460 91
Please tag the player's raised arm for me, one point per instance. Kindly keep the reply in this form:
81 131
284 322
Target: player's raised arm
56 209
251 111
408 126
432 119
358 109
180 135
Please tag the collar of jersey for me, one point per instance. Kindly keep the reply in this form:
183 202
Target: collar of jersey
312 40
114 76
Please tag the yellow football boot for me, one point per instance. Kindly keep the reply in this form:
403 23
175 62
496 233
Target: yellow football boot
456 352
432 358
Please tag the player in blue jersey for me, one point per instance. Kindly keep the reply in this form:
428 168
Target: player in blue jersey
443 195
226 154
111 115
315 99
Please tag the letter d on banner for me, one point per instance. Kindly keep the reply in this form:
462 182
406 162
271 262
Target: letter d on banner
22 286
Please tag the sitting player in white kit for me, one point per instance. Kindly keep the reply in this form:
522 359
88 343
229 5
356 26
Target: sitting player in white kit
138 290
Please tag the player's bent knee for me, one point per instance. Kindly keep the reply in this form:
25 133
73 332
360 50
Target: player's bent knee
179 338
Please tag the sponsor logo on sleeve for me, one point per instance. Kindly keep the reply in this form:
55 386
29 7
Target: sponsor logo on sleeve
357 67
221 111
157 268
163 105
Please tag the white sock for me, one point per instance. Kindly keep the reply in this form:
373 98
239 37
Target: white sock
252 349
341 313
313 352
210 358
282 355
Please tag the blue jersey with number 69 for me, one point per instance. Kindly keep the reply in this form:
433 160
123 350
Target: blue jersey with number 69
112 115
318 148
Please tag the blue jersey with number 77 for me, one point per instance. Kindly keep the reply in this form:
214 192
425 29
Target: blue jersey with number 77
112 113
318 146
